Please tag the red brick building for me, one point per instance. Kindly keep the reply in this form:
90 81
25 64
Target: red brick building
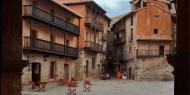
144 37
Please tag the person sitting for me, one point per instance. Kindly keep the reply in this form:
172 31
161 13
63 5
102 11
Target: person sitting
107 76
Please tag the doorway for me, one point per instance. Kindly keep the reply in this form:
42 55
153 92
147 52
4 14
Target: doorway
52 70
66 71
87 71
129 73
36 72
161 50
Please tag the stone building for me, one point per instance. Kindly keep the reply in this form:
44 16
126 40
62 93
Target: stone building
50 40
94 25
142 39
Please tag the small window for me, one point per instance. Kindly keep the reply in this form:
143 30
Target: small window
131 20
131 34
130 49
155 31
52 38
52 70
157 17
67 42
144 4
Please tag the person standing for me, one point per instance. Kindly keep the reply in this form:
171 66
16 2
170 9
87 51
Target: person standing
118 75
124 76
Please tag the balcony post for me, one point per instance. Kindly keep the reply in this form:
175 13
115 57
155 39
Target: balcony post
65 44
52 16
30 37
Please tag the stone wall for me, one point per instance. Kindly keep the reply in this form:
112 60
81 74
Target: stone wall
45 67
155 68
81 64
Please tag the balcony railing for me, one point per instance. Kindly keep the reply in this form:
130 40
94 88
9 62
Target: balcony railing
94 47
122 57
49 18
94 24
104 37
152 53
43 46
119 41
119 28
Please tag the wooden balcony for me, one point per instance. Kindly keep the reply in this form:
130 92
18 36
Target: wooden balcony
47 47
122 58
93 47
48 18
152 53
94 24
119 41
104 37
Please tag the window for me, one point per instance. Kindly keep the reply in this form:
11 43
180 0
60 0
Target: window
131 20
131 34
157 17
87 36
144 4
35 3
52 70
130 49
155 31
34 34
161 50
94 38
52 38
67 42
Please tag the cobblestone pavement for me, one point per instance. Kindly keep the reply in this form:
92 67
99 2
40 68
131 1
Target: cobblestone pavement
114 87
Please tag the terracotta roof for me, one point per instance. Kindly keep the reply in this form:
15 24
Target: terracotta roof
154 38
65 7
76 1
119 17
70 2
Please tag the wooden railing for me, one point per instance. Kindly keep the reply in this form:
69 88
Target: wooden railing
49 18
94 23
152 53
49 47
119 41
93 46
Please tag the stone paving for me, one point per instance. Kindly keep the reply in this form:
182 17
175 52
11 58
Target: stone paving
114 87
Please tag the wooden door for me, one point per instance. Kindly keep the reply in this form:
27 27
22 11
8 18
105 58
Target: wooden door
87 66
52 70
36 73
161 51
66 71
130 73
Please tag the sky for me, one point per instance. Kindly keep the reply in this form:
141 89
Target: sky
114 7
